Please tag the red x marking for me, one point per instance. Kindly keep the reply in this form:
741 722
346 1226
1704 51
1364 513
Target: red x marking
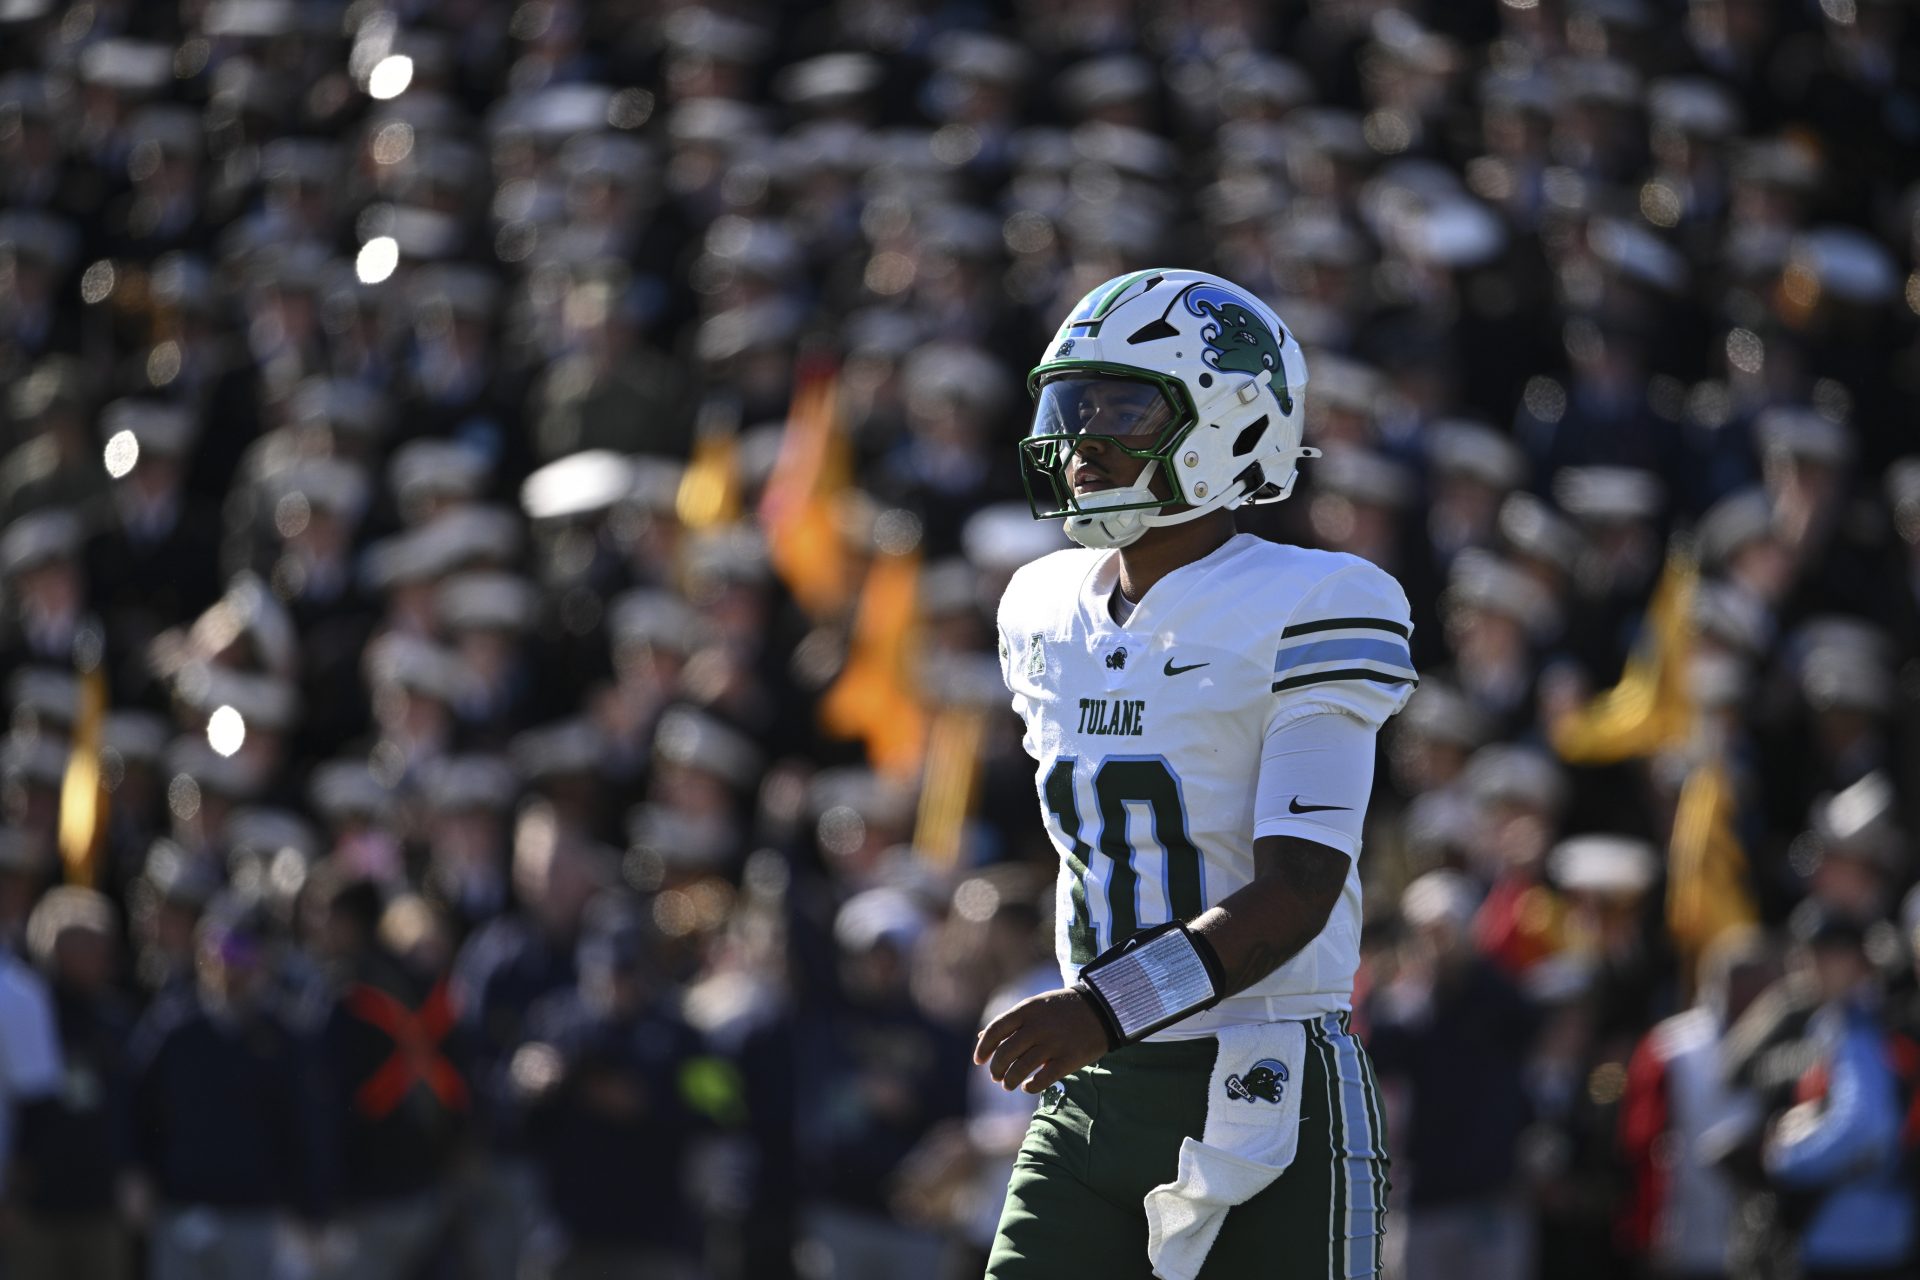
417 1036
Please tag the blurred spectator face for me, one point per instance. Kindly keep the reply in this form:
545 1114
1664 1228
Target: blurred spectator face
154 480
50 593
1422 762
1465 508
551 874
1840 969
1440 943
613 976
1605 360
1485 640
1514 133
83 960
1609 923
166 937
412 606
411 716
302 205
876 974
650 672
1338 424
1851 882
467 851
18 891
1759 203
1741 27
232 968
1805 494
1745 982
1514 837
1365 529
1621 552
691 790
27 142
34 807
413 930
163 176
489 655
737 612
26 285
1844 733
854 844
287 318
1763 568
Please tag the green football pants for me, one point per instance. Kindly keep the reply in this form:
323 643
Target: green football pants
1108 1134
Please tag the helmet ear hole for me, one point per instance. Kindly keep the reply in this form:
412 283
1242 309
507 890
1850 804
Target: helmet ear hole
1249 437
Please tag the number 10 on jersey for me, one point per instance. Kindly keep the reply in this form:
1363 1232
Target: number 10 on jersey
1118 781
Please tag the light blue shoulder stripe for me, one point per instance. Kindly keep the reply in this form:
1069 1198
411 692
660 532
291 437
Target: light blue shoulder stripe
1356 649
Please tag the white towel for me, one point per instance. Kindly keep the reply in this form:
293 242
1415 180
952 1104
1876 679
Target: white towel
1252 1132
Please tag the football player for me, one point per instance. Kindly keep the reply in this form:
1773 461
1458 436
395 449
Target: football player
1202 706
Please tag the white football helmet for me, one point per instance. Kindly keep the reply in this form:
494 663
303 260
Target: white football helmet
1181 368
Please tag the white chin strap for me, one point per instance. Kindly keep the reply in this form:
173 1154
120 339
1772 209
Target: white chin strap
1103 530
1120 529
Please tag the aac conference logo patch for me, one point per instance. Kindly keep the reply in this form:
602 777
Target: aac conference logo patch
1265 1082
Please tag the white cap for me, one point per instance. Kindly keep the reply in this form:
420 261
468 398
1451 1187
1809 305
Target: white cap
1610 864
1440 897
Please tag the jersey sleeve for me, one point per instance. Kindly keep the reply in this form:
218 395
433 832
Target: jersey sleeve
1344 649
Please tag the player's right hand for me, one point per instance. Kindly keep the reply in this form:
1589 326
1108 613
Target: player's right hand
1042 1040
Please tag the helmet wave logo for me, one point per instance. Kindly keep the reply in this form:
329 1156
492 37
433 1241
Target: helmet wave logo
1237 340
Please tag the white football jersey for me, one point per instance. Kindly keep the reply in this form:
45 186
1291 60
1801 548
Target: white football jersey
1148 737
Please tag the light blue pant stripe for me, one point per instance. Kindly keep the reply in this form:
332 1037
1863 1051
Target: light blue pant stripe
1360 1162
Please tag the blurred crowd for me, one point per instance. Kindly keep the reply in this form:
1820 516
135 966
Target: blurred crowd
501 512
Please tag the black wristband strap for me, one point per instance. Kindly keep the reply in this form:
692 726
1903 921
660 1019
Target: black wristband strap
1151 981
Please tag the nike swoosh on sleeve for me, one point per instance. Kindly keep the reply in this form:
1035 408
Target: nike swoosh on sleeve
1294 806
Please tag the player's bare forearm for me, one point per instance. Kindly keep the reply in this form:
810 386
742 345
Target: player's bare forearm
1254 931
1260 927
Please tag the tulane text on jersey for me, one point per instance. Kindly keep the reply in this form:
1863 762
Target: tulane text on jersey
1104 718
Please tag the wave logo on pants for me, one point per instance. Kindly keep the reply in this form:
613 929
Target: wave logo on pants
1264 1082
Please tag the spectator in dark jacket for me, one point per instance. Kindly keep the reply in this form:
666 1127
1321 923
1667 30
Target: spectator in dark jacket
1454 1032
502 972
616 1088
397 1092
74 1149
875 1074
230 1119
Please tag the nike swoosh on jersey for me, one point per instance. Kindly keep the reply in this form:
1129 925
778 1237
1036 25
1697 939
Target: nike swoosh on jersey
1294 806
1172 670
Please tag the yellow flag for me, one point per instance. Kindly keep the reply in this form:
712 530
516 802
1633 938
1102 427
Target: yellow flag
876 698
710 490
949 782
1708 891
1649 710
83 792
800 507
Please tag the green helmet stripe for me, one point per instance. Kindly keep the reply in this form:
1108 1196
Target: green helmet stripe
1120 288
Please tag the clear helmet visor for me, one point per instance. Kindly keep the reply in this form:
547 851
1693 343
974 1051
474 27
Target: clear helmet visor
1135 413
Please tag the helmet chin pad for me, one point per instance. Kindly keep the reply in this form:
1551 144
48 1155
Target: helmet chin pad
1106 532
1098 525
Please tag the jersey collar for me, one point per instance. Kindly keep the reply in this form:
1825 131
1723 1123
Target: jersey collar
1163 597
